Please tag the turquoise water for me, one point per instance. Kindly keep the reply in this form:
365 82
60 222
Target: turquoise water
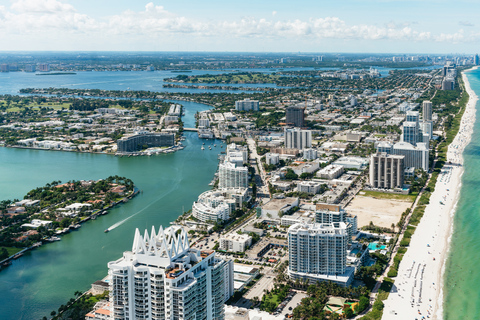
462 276
375 246
46 278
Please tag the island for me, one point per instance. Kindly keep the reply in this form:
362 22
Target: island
57 208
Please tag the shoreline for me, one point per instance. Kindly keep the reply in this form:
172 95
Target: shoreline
418 289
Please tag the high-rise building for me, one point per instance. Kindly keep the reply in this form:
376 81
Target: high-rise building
412 116
427 110
231 176
43 67
448 84
415 156
318 252
336 214
296 138
386 171
163 278
410 132
295 116
476 60
247 105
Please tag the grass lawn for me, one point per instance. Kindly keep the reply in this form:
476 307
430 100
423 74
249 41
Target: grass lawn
387 195
273 298
12 250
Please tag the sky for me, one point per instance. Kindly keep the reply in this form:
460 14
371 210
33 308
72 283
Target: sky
363 26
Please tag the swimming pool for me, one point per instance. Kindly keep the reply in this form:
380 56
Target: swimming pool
375 246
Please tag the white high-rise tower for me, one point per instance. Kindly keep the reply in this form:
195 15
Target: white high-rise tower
162 278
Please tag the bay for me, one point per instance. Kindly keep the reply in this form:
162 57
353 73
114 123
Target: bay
46 278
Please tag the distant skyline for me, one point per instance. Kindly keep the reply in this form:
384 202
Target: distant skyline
376 26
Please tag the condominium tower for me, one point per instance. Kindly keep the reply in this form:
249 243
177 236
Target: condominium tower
386 171
232 176
318 252
427 110
247 105
162 278
296 138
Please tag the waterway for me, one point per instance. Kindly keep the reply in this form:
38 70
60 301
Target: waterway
462 276
46 278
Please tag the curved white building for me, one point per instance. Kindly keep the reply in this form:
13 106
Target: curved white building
217 205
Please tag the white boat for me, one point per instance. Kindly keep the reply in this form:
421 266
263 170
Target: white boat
203 148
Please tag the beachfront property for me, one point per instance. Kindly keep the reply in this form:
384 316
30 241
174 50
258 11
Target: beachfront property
318 252
163 278
334 213
386 171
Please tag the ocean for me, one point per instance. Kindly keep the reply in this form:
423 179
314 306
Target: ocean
462 278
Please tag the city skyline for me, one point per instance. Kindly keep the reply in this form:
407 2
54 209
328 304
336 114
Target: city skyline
347 26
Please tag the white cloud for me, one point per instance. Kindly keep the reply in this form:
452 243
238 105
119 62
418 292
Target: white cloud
53 19
41 6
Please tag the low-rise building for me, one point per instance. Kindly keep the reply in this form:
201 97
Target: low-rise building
309 187
235 242
330 172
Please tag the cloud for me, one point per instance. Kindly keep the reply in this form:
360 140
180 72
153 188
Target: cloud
466 24
53 19
41 6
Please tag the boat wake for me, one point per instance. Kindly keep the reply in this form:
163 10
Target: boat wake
138 212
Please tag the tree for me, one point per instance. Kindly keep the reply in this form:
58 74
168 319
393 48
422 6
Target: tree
348 312
290 175
363 303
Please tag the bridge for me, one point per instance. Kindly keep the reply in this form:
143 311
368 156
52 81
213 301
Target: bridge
190 129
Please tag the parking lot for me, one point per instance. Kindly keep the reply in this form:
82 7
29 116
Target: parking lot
295 301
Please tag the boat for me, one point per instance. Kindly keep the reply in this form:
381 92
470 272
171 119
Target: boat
106 230
202 148
214 145
77 226
210 147
7 263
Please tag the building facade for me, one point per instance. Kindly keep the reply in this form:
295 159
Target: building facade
231 176
427 110
386 171
318 252
163 278
247 105
295 116
138 141
298 139
415 156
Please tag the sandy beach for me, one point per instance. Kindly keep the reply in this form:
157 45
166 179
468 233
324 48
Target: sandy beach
418 291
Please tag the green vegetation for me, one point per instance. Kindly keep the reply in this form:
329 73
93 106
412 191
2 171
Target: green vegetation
53 198
312 307
388 195
76 308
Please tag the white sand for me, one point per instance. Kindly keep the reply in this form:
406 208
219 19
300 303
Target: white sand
418 288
